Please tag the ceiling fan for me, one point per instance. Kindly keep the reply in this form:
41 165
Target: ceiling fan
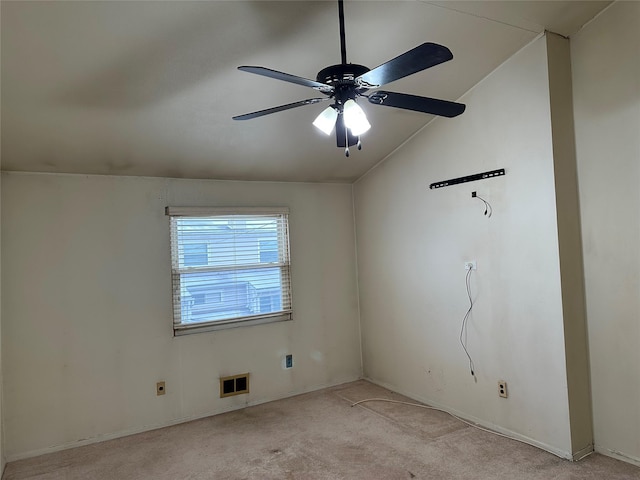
346 82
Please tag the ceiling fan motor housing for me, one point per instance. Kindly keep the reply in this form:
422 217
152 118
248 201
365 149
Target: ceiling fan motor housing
343 78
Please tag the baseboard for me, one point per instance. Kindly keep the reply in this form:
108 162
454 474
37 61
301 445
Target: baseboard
480 422
583 452
618 455
177 421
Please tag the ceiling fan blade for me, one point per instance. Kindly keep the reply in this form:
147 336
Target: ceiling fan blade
260 113
415 60
287 77
433 106
343 135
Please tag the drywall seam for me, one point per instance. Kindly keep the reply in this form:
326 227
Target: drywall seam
2 459
600 13
355 247
489 19
146 428
148 177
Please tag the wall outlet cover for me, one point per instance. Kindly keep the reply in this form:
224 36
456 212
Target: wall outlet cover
502 389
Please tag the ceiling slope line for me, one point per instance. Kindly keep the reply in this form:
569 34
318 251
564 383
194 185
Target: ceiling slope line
421 129
539 30
597 15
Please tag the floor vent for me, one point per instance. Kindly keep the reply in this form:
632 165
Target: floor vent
234 385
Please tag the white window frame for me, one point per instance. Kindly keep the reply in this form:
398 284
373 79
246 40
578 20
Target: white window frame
285 314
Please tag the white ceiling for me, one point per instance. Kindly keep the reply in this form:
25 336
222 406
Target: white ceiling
149 88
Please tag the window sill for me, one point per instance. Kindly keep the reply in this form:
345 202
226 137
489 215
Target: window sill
188 329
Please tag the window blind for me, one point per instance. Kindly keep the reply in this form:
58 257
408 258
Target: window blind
229 266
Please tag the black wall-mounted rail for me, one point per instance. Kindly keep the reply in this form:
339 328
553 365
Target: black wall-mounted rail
468 178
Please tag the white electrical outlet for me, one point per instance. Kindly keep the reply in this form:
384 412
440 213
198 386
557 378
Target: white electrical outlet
470 265
502 389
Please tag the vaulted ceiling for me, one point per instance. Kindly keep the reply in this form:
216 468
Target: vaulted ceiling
149 88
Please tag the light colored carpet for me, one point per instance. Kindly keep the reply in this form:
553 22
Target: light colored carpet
318 436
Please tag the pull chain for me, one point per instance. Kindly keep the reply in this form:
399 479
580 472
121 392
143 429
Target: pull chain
346 141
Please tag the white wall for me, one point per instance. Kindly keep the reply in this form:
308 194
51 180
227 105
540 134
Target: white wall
412 243
2 461
569 245
606 78
87 326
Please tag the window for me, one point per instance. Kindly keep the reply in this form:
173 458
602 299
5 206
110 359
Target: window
195 254
268 251
229 267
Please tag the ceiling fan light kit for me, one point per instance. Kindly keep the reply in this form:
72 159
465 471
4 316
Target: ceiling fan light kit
326 120
355 118
345 82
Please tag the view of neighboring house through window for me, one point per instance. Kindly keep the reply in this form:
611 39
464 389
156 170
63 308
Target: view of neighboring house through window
268 251
195 254
229 267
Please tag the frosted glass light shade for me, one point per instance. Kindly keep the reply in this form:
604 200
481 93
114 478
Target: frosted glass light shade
355 118
326 120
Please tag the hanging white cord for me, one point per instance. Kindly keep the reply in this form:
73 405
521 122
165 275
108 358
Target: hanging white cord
463 329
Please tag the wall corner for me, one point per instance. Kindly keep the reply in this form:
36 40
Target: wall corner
570 245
